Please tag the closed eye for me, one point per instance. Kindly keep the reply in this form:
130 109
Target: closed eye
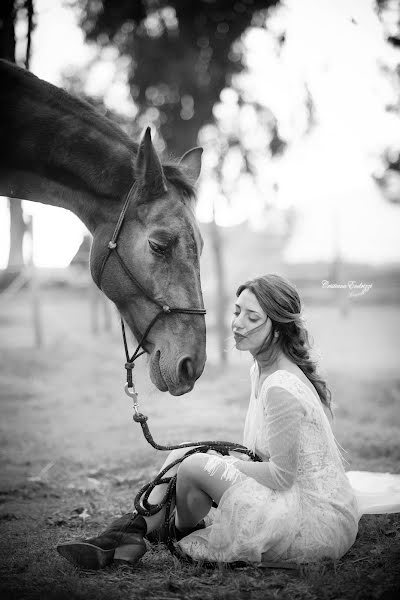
158 248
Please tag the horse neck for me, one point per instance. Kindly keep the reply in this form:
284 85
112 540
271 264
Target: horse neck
58 150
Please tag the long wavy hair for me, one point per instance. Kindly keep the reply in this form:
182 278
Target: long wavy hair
281 302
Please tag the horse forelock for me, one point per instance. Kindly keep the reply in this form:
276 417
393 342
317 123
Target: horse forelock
176 176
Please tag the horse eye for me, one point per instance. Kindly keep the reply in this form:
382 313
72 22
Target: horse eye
187 196
158 248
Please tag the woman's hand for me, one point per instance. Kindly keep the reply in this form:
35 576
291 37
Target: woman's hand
214 452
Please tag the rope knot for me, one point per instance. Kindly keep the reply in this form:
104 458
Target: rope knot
112 245
129 366
140 418
166 308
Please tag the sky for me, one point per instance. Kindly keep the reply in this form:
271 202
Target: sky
333 49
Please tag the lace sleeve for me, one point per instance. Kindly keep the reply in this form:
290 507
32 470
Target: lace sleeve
283 413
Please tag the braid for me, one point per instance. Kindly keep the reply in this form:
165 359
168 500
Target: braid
297 346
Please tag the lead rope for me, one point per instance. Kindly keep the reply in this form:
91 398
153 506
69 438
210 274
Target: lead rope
141 502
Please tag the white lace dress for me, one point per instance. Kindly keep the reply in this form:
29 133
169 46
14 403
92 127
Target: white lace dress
309 509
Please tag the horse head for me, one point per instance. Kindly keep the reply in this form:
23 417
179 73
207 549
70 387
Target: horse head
160 244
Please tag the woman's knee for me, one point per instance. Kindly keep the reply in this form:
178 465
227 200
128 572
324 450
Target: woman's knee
190 467
177 454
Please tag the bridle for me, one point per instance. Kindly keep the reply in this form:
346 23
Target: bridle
165 309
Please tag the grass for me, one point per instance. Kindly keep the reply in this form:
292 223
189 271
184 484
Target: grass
62 409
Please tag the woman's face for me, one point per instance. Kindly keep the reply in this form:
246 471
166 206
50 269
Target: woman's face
250 325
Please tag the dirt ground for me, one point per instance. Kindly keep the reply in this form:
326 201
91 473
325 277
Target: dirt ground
71 457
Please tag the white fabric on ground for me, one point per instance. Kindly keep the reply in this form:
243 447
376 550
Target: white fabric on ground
376 493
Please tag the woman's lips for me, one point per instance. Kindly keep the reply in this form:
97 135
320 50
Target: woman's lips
238 337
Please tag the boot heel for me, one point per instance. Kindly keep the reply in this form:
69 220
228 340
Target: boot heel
130 553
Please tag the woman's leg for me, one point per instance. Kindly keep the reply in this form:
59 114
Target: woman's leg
156 521
201 480
123 539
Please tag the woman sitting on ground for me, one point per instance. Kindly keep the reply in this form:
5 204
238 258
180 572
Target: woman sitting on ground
297 505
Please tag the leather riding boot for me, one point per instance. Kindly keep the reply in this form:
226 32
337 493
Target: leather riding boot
121 542
170 531
177 534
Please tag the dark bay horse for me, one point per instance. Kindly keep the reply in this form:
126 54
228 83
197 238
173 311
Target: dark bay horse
59 150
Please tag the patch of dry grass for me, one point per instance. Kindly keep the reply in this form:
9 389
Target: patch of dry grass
63 407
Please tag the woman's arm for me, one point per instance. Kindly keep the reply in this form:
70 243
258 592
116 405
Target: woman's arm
283 413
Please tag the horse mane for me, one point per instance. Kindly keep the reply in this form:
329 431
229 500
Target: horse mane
26 83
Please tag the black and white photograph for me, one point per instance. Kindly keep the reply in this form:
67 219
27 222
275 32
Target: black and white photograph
199 299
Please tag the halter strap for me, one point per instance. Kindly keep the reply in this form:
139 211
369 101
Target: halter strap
165 309
112 244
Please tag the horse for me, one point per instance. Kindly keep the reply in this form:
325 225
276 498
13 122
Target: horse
58 150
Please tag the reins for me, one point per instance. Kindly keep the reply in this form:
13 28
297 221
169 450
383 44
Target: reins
141 502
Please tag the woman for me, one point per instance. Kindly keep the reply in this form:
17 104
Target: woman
297 505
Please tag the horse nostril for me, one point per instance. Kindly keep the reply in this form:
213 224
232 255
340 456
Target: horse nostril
185 369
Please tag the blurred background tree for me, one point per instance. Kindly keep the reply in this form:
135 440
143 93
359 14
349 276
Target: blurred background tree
389 179
186 60
183 54
10 12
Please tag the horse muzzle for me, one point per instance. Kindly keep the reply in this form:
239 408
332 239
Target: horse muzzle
176 376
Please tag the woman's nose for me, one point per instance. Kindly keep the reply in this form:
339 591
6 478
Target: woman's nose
236 323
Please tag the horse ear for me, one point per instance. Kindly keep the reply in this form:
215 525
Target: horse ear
149 171
191 162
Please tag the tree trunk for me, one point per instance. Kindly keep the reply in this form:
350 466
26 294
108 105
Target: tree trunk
17 231
29 15
7 30
17 225
220 291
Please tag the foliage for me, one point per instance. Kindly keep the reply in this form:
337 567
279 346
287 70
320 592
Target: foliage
183 55
389 12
